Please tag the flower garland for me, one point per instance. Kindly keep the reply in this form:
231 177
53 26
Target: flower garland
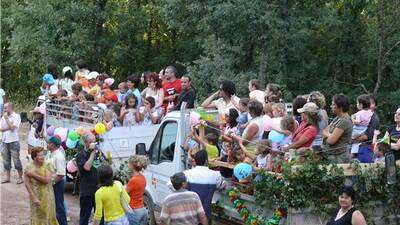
250 218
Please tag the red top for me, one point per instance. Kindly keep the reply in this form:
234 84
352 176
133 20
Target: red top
171 88
136 185
304 130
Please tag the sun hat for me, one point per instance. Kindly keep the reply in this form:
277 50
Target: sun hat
109 81
48 79
92 75
40 109
66 69
309 107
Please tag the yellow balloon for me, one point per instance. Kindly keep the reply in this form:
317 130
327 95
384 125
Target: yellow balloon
100 128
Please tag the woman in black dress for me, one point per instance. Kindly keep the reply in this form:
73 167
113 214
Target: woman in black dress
347 214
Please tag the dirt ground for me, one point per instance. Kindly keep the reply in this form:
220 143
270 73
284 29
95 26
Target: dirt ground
14 206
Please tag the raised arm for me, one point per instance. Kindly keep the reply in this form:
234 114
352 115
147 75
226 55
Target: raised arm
244 149
88 164
208 103
199 139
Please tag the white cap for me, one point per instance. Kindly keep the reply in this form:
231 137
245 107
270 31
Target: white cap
65 69
92 75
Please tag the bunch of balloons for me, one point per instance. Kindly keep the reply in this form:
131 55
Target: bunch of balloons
72 137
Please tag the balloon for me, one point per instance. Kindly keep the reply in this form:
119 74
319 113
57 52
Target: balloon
275 137
73 135
242 170
71 143
100 128
194 118
62 133
58 130
57 136
71 166
80 131
50 130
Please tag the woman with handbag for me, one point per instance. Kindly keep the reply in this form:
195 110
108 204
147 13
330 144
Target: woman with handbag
111 199
135 188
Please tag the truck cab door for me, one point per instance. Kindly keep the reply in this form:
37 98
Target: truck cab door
163 161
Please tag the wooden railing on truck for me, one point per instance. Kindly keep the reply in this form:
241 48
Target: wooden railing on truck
87 112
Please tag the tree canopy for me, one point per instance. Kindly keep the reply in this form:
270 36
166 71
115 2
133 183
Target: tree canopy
348 46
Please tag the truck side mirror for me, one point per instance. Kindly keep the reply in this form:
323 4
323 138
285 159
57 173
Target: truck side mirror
24 117
141 149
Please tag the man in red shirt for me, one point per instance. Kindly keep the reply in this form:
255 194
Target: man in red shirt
172 88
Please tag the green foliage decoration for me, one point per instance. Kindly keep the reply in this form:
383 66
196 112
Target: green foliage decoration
315 185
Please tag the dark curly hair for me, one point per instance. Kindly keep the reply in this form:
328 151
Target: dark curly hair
228 87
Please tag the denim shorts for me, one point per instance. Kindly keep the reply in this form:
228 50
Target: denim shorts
11 151
138 216
121 221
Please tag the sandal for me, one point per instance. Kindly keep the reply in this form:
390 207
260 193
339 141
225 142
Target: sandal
5 181
20 181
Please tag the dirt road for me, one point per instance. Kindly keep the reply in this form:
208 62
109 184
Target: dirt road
14 206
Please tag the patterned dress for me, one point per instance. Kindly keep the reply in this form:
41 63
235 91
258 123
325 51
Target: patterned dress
46 213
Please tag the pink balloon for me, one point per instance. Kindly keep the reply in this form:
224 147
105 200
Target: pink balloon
71 166
50 130
62 133
194 118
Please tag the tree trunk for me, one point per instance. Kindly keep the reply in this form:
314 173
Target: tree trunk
381 36
99 30
262 75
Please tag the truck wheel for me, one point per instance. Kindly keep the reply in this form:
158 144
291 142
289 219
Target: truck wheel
148 204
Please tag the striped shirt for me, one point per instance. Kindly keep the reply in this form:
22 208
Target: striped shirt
204 182
182 207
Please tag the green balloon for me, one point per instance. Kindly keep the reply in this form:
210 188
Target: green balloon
73 135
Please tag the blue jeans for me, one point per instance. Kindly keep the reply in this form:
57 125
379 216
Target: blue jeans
137 217
365 154
59 198
87 203
121 221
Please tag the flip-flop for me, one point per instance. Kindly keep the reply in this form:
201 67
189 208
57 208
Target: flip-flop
5 181
20 181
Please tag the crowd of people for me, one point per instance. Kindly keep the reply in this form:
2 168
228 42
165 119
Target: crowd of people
257 130
264 133
139 100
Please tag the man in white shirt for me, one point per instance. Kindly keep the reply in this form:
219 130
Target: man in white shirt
9 126
204 181
56 158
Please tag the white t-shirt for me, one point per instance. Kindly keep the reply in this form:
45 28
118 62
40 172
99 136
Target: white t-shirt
57 161
223 107
66 84
257 95
2 93
10 136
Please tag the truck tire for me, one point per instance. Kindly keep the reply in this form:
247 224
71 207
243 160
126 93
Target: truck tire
148 204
